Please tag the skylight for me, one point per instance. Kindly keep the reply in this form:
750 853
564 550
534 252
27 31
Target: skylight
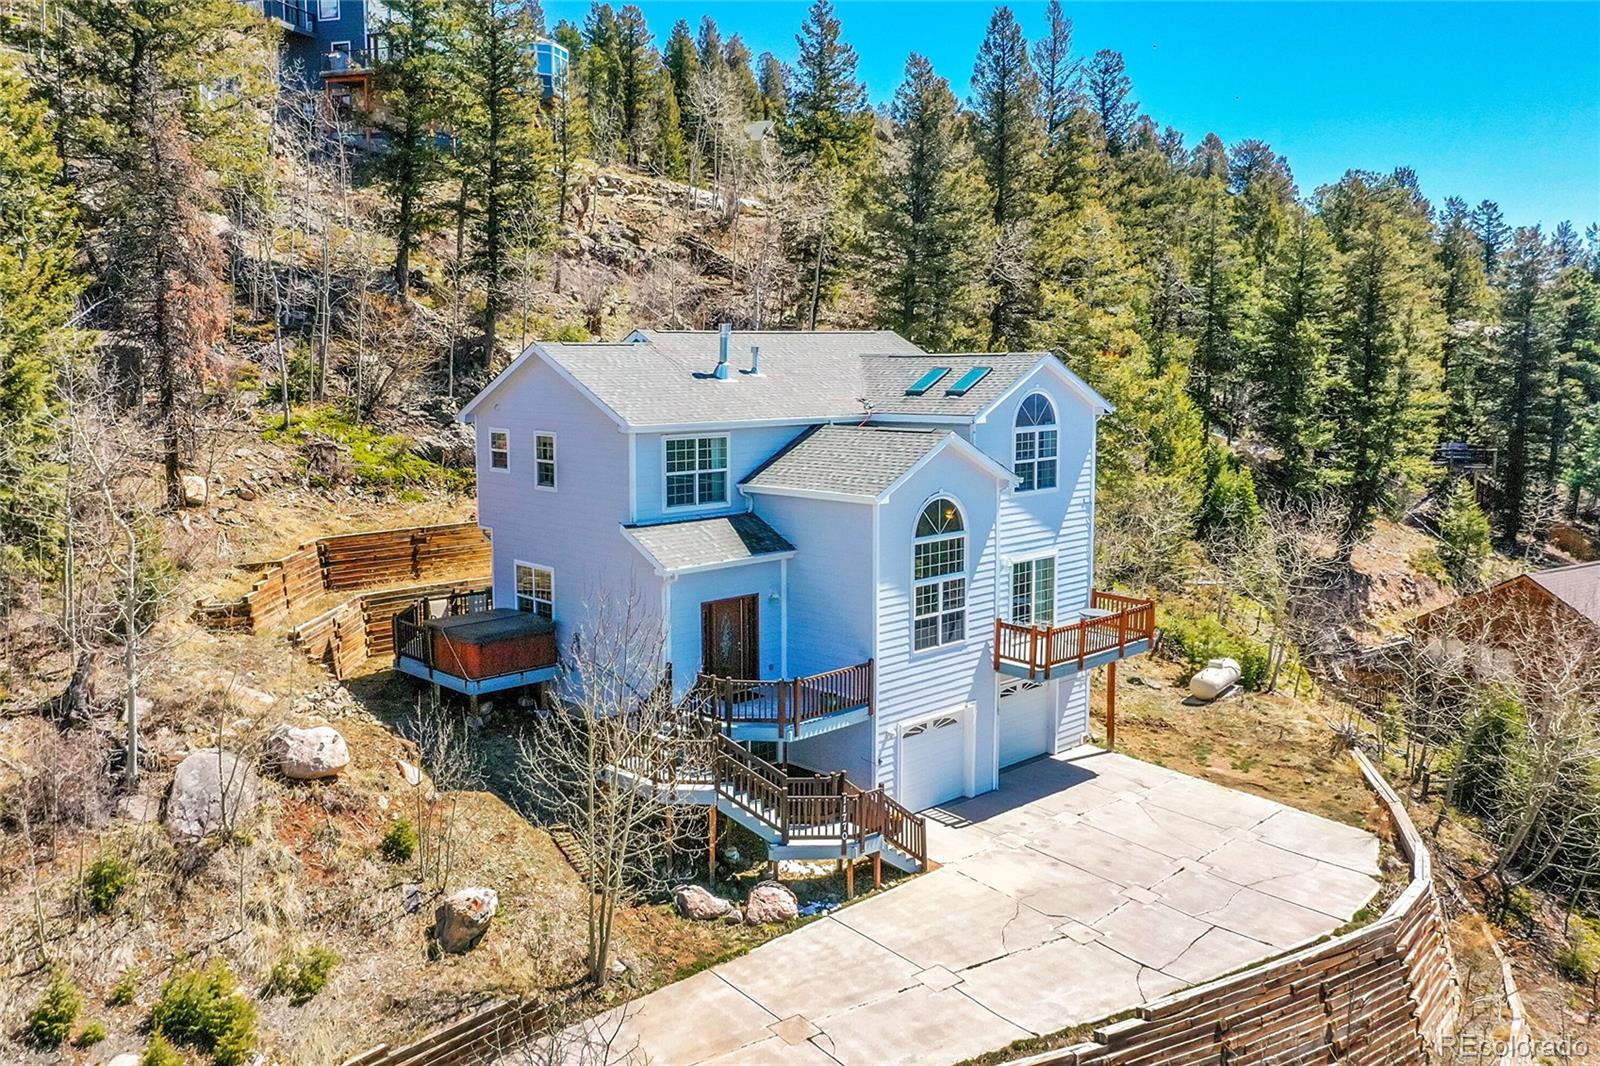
966 381
928 381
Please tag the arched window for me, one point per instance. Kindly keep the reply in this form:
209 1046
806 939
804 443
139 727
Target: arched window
939 576
1033 450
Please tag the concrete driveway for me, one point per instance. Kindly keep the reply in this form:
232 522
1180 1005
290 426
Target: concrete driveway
1087 884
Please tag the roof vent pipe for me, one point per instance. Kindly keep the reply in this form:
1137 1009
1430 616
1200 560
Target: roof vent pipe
725 331
755 359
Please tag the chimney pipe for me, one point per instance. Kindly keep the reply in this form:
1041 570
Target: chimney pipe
755 359
725 332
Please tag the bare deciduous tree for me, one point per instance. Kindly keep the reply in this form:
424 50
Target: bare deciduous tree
604 762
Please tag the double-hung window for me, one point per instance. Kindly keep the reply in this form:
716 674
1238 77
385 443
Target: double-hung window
536 590
1033 592
1035 444
697 471
328 11
499 450
544 460
939 576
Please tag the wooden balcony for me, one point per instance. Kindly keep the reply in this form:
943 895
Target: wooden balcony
787 709
1115 627
469 646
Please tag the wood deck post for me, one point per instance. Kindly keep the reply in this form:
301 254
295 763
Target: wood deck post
711 849
877 869
850 879
1111 704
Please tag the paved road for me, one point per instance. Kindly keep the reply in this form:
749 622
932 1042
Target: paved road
1087 884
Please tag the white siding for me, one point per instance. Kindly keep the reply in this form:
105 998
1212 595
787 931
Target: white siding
915 684
848 749
1032 523
574 530
830 580
1072 711
687 593
747 449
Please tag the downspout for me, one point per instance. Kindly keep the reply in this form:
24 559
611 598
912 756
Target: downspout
877 657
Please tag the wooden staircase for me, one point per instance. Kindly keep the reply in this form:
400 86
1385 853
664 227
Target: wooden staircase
812 816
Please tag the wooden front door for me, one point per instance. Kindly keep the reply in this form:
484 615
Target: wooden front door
730 637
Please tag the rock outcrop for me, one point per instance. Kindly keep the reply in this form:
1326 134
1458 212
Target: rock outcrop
770 902
307 754
211 790
463 918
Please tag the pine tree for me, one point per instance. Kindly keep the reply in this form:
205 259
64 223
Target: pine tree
774 85
635 57
929 214
1057 71
1382 396
667 152
709 43
505 154
1464 297
1008 137
827 121
1265 196
1222 308
1110 92
1492 231
1464 537
1577 369
412 76
1291 362
1523 373
600 80
569 128
682 63
736 58
38 238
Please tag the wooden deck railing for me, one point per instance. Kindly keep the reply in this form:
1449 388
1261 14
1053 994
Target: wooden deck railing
1042 649
802 807
790 704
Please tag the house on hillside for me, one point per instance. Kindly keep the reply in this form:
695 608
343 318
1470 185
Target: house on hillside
1556 608
874 559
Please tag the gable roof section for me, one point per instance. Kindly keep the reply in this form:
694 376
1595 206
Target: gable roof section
1577 586
858 462
708 543
666 379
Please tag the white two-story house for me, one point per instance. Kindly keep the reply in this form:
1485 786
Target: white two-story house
879 558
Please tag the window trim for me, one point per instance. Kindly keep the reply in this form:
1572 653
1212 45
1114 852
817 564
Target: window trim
1016 433
492 449
939 580
516 590
554 461
1032 560
323 6
726 470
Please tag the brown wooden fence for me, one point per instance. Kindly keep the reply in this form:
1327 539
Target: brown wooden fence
288 586
344 637
1383 994
479 1037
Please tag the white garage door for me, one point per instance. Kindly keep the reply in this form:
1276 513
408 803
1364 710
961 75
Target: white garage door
1027 724
933 760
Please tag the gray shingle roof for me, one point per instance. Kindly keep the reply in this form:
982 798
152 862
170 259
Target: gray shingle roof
851 460
664 378
709 541
1578 586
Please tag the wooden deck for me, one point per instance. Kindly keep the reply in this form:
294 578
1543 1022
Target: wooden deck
789 708
471 647
1122 626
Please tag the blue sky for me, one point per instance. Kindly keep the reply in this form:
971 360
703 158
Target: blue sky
1483 100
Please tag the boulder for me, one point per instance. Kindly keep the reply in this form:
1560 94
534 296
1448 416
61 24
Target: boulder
127 1058
194 490
307 754
770 902
463 918
211 790
695 902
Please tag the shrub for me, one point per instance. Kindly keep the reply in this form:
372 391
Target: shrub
1487 765
1230 500
1197 639
107 878
205 1009
90 1035
400 841
160 1053
301 976
1579 958
1464 537
122 992
51 1021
